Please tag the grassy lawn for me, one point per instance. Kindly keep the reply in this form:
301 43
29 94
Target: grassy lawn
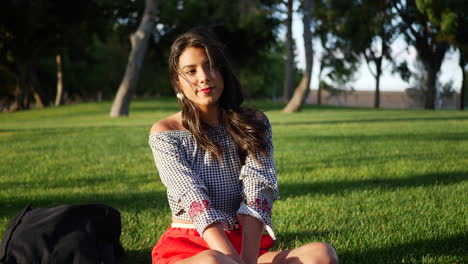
382 186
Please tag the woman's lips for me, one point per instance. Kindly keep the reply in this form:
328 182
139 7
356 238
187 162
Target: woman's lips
207 90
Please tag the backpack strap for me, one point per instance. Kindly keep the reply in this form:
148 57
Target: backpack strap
9 233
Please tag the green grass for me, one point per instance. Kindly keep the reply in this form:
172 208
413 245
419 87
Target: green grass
382 186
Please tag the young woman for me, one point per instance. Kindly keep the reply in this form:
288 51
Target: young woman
216 160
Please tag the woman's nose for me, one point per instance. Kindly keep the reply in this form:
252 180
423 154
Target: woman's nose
204 76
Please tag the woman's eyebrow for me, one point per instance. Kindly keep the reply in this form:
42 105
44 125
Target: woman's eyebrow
205 61
188 66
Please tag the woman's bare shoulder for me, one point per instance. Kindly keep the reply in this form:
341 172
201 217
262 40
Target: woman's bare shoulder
173 122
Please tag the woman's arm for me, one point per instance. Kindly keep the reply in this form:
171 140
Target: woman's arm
260 189
252 230
217 240
260 186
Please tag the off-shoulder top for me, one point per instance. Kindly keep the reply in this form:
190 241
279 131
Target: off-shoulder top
203 190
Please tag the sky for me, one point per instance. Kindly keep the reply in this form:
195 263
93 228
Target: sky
364 79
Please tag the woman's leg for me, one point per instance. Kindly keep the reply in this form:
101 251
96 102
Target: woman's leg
313 253
208 257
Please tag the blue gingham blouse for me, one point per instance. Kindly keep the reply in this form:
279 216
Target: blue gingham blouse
203 190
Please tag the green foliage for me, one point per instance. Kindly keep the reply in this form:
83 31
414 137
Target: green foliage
93 36
447 91
448 21
266 80
403 70
418 89
441 15
246 29
382 186
336 71
336 24
7 90
32 33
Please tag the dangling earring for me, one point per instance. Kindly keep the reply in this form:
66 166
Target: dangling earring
180 96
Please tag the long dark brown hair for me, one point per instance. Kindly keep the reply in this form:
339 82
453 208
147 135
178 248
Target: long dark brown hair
243 124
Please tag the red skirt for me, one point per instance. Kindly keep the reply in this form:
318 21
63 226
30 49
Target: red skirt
177 244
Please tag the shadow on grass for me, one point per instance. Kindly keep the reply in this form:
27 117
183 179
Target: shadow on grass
76 128
332 187
413 252
357 161
382 137
357 121
141 256
135 201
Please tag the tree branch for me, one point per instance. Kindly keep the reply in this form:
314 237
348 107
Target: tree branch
408 24
368 64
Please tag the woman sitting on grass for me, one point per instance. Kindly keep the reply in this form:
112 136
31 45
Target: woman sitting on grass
216 160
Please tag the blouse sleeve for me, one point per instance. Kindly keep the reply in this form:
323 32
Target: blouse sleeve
260 186
182 184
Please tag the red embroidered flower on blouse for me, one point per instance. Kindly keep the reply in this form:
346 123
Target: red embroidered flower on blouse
196 208
264 205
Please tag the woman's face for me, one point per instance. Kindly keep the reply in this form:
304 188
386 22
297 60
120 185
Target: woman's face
198 82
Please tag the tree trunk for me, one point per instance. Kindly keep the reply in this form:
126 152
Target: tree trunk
462 64
319 93
40 95
431 90
320 85
302 91
27 85
378 70
59 95
139 41
22 89
432 56
289 70
378 73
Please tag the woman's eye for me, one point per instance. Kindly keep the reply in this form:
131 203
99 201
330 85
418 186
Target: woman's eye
191 72
208 68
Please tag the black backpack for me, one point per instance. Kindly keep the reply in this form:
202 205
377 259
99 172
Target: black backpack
76 234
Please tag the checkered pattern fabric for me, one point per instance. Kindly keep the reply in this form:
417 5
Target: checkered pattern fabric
203 190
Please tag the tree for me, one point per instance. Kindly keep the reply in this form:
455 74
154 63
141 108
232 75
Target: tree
418 89
462 62
422 23
337 61
458 35
322 67
18 57
139 41
246 28
335 72
302 91
60 92
33 30
369 31
362 29
289 69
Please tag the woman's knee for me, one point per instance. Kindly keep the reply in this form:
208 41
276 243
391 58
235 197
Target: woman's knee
320 252
214 257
